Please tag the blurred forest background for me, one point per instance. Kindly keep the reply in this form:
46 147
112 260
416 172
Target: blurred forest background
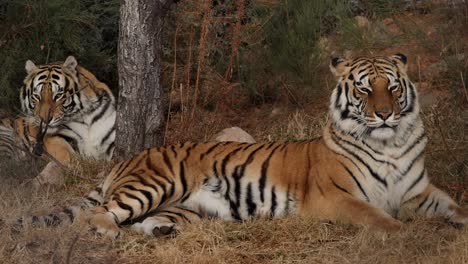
261 65
247 52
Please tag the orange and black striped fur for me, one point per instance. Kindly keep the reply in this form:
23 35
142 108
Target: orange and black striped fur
74 110
366 166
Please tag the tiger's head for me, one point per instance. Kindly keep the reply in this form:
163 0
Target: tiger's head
373 96
49 92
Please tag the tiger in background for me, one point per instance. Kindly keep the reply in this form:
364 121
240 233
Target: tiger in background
67 108
368 163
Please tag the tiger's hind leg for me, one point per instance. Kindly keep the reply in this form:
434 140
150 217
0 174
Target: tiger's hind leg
166 222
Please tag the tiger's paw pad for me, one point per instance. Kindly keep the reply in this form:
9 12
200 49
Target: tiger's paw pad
161 231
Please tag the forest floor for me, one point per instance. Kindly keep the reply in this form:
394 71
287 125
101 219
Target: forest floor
286 240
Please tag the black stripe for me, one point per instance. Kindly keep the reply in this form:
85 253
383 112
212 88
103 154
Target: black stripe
339 187
69 213
174 151
109 133
167 161
356 181
182 178
121 167
251 206
186 197
144 182
110 148
215 170
239 172
339 90
420 154
170 217
71 141
134 197
120 175
264 172
93 201
413 144
223 172
189 150
125 207
418 179
146 193
210 150
234 211
226 159
237 184
429 206
374 174
273 202
52 220
363 150
423 202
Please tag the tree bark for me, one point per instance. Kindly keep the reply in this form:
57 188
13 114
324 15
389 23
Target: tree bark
140 108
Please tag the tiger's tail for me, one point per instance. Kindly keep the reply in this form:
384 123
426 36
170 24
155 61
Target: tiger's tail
62 215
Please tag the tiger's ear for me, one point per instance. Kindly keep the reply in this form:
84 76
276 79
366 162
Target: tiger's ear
339 66
30 66
400 60
70 63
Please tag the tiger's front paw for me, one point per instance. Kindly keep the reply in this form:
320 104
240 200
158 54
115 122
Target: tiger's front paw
460 218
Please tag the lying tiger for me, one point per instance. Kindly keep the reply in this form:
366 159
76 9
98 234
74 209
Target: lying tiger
366 166
67 111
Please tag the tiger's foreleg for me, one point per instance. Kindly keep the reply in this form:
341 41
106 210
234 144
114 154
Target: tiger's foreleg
434 202
168 221
61 151
361 212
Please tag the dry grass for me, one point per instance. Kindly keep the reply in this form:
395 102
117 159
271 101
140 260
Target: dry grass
285 240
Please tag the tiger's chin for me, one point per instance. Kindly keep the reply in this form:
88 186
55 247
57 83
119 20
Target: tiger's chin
382 133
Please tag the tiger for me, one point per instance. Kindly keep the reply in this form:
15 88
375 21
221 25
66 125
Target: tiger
15 139
366 166
66 111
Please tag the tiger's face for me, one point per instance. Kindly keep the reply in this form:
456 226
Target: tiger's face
372 96
49 92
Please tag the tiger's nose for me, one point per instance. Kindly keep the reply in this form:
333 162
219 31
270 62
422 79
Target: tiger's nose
384 114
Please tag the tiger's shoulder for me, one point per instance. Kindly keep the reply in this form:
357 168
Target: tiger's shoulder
90 85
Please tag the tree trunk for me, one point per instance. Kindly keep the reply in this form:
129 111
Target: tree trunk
140 109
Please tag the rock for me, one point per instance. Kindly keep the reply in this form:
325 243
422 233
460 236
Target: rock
234 134
388 21
361 21
464 116
50 175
